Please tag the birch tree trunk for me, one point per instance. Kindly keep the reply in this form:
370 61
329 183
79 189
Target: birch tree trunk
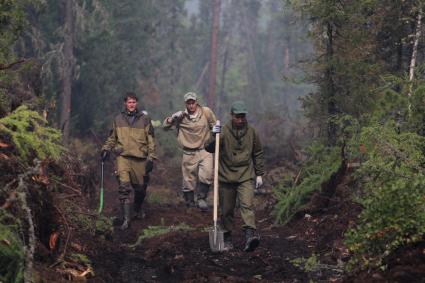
415 51
68 70
213 60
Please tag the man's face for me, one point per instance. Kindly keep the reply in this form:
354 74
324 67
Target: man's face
239 120
191 106
131 104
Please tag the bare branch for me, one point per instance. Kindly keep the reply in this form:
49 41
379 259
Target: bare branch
9 66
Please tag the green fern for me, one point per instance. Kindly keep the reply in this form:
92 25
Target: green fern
323 161
154 231
30 134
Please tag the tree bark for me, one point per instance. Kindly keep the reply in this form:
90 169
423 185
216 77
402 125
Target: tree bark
68 70
415 51
223 77
253 60
173 48
286 59
213 56
330 87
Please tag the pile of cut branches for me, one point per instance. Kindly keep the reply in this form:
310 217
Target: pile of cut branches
40 182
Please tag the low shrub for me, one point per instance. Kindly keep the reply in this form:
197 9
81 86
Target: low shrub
321 163
393 179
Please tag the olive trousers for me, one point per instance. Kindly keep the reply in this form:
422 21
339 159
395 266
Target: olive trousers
131 176
229 194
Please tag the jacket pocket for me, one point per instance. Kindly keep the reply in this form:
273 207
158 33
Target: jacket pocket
240 158
144 151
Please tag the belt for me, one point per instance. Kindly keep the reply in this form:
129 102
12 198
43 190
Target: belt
192 149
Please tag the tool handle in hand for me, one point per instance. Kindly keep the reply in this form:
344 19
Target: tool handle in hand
101 191
216 154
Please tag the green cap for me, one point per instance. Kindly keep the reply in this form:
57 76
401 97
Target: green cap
238 107
189 95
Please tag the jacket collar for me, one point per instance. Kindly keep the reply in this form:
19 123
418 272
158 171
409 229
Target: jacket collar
237 133
135 113
198 114
131 117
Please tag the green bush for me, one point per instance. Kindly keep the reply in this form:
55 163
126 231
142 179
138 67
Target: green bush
11 252
393 178
322 162
30 134
417 117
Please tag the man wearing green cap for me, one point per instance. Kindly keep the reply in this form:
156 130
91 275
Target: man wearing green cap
241 165
194 126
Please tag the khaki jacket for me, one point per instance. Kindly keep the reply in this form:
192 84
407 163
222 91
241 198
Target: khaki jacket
193 133
241 154
132 139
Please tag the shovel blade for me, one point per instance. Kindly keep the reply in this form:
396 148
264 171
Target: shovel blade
216 239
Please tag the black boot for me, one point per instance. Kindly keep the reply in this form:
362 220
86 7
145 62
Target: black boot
228 243
202 196
189 198
252 240
139 197
126 216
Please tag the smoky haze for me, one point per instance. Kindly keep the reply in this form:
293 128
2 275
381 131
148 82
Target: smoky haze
161 49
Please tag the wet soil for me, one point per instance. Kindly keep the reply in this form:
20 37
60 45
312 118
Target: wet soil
308 249
185 255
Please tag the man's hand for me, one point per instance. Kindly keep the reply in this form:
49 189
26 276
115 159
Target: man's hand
258 182
149 166
177 115
216 129
104 155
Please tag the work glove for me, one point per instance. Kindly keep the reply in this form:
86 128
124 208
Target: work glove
216 129
177 115
258 182
149 166
104 155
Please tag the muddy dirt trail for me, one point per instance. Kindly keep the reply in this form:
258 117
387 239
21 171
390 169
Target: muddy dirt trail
178 250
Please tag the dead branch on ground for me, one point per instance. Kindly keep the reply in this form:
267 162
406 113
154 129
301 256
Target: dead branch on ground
62 256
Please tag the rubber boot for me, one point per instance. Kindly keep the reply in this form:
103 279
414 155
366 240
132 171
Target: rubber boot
252 240
189 198
202 196
139 197
126 216
228 243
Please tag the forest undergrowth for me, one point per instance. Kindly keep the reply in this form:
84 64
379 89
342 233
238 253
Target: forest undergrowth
44 188
385 151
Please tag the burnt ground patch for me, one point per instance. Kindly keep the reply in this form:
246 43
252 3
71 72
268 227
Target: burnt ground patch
309 248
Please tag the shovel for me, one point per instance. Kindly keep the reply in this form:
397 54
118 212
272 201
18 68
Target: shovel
101 191
216 235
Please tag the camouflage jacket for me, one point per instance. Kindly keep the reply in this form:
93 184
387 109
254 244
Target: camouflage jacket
132 136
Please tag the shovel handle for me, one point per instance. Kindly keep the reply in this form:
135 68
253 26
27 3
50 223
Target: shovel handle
216 154
101 191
